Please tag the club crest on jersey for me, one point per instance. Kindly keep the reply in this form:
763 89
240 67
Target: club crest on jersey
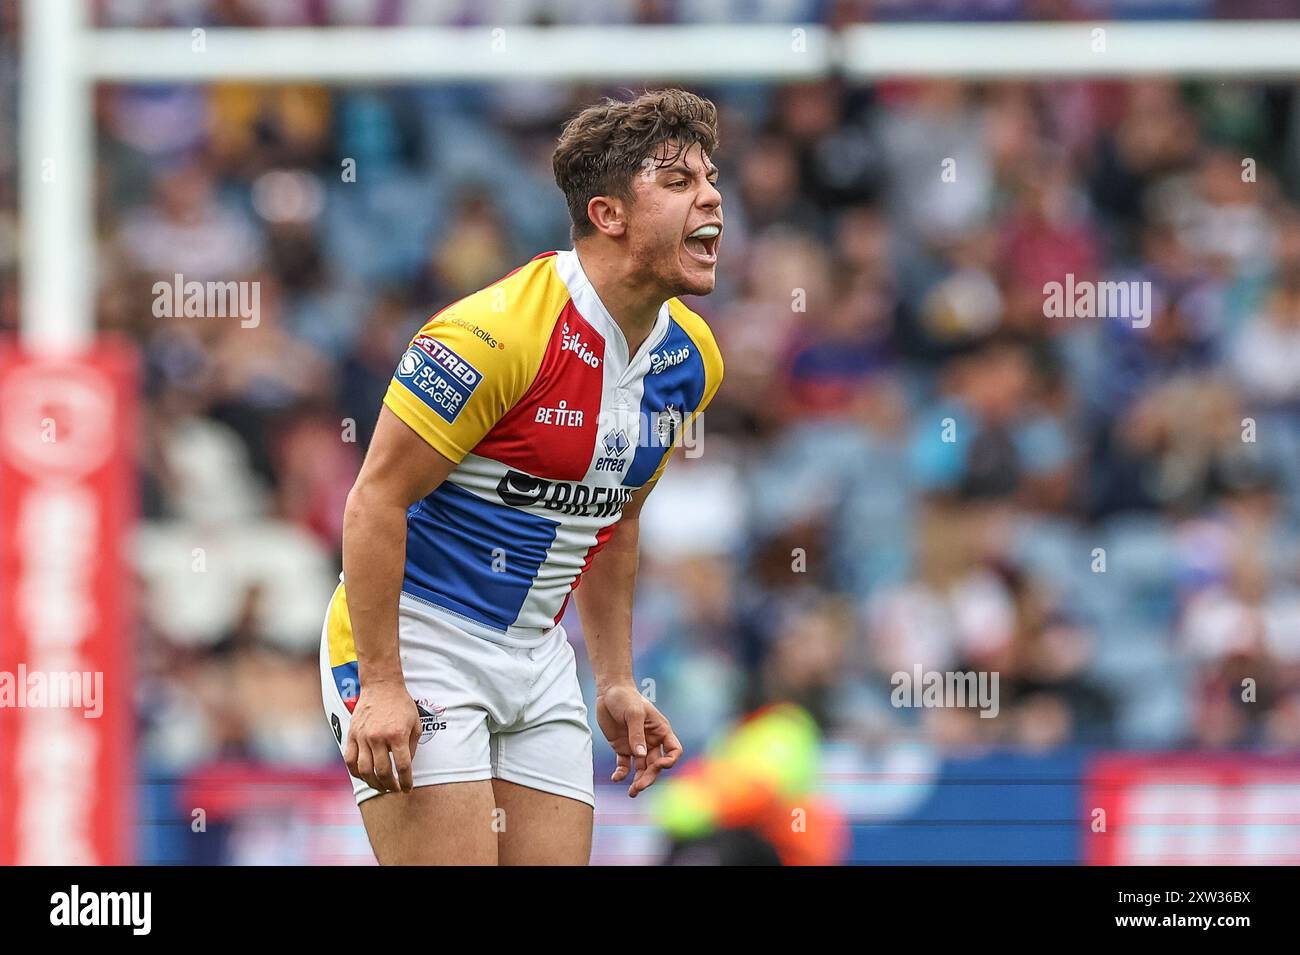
572 341
432 719
667 423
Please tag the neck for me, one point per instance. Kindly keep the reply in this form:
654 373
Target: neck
632 301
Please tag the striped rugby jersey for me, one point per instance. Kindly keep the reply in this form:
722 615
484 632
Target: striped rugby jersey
529 386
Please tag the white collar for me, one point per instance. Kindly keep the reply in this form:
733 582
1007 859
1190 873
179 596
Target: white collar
589 305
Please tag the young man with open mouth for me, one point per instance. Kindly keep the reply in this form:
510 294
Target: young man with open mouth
518 440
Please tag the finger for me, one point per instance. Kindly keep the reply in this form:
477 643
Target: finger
402 757
620 771
365 765
642 767
655 763
644 780
350 753
636 736
672 751
636 724
383 767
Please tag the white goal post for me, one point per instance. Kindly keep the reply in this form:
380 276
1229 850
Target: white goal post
63 57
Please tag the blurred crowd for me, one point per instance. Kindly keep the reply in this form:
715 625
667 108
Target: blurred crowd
909 462
192 13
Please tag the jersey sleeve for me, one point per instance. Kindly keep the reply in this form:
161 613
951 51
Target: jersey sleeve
457 379
691 432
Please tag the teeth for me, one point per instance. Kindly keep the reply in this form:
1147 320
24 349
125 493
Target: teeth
704 232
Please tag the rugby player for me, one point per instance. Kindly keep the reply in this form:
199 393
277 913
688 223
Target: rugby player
518 440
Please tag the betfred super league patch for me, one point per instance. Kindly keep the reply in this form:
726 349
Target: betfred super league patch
438 376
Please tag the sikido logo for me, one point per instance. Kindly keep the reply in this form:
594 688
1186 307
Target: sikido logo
572 341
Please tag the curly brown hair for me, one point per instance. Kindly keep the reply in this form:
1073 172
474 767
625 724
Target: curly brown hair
603 146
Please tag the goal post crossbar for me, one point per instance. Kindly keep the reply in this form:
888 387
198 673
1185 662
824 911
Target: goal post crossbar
63 57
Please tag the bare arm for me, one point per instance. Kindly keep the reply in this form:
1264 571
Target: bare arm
635 728
400 468
605 598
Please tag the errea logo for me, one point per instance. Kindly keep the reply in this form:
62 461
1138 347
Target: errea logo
616 442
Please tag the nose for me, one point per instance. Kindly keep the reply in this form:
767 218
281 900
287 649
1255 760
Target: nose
710 197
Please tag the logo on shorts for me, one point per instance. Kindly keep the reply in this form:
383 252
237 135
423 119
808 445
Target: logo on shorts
431 719
337 727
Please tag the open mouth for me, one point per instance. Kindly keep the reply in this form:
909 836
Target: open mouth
703 243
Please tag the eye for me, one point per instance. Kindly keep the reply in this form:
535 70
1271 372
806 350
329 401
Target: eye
676 183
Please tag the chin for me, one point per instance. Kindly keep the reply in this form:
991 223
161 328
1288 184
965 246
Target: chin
699 286
696 282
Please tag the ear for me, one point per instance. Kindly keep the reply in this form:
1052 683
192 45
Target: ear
608 214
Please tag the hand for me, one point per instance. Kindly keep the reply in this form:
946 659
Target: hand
636 730
384 721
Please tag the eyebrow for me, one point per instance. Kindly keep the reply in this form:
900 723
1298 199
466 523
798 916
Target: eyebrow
686 170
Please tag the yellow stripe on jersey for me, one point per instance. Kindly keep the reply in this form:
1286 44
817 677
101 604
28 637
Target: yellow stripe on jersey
480 356
343 649
700 333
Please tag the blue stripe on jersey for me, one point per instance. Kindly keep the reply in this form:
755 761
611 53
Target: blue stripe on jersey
449 561
348 680
679 386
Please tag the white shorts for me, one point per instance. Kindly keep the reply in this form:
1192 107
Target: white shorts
487 710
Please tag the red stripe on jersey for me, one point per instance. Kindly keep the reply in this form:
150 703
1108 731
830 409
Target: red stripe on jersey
563 607
602 537
551 432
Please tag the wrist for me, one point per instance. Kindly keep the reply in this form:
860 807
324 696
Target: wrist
383 679
607 682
